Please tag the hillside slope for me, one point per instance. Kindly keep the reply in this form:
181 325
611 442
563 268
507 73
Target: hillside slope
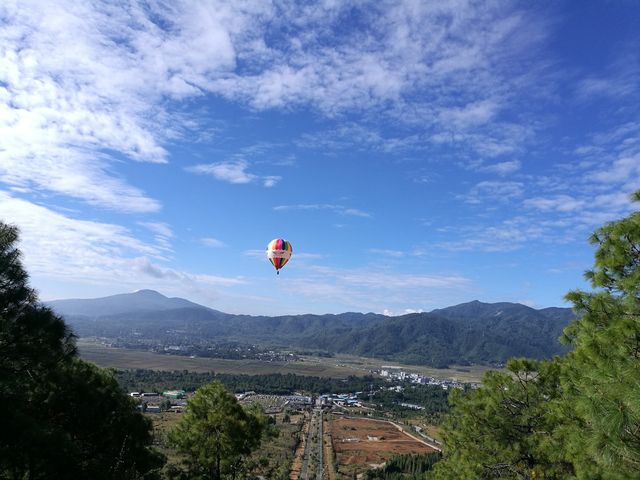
473 332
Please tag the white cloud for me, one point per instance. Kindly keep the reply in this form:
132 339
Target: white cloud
68 249
213 242
162 231
619 80
233 172
505 236
620 171
494 191
474 113
159 228
340 209
560 203
369 289
271 180
84 86
387 253
502 168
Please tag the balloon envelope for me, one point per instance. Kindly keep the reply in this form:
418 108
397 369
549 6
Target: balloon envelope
279 252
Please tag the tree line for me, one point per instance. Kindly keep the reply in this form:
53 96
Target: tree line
271 384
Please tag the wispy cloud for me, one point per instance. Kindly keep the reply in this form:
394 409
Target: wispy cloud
162 231
374 289
505 236
494 191
387 253
560 203
233 172
58 246
159 228
620 80
339 209
85 86
212 242
501 168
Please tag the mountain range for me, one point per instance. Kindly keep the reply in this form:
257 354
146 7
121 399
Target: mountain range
469 333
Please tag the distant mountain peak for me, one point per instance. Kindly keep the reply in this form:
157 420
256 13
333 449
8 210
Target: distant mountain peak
149 293
143 300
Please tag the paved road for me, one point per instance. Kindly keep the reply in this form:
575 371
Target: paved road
320 469
311 446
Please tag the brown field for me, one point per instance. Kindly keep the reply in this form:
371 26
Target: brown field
363 442
104 356
340 366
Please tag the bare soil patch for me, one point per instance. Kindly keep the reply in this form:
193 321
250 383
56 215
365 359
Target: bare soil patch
365 442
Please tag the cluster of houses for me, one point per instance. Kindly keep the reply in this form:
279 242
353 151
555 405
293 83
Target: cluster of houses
395 373
339 400
154 402
176 400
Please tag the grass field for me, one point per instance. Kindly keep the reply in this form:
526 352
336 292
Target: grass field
340 366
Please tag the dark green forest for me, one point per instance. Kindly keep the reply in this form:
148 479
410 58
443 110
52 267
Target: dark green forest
274 384
432 398
405 467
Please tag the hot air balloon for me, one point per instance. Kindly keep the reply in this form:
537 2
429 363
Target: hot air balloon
279 252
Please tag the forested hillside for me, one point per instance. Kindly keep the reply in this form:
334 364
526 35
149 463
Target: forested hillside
473 332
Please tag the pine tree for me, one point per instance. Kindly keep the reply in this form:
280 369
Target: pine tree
502 430
63 418
602 374
216 434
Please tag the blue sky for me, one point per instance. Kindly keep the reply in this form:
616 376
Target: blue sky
415 154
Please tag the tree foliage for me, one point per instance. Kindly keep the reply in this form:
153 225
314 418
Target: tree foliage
503 430
273 383
575 417
217 434
63 418
405 467
601 378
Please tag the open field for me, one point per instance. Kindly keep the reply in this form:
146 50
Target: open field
340 366
104 356
361 443
365 365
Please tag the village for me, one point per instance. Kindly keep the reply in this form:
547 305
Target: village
176 400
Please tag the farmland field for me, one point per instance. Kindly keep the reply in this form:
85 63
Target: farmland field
104 356
362 443
340 366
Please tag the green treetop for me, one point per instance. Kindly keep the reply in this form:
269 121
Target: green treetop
217 434
601 378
